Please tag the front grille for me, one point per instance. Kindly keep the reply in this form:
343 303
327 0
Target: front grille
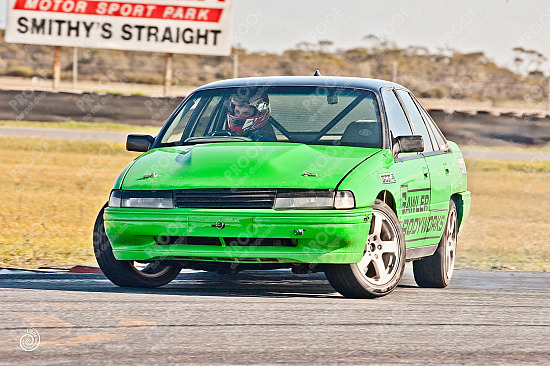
220 259
232 242
259 242
224 198
187 240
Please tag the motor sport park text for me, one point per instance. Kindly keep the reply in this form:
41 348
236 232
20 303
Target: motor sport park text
117 9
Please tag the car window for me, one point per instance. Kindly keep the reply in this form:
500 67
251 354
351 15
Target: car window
177 127
311 115
206 118
435 147
440 142
416 119
397 120
316 112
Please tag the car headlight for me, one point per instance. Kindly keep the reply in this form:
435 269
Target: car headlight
344 200
115 199
141 199
314 200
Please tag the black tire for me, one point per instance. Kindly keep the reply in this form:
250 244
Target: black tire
124 273
436 270
381 268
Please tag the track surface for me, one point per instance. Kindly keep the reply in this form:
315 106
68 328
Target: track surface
272 317
12 131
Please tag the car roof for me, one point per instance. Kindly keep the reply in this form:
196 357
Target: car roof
325 81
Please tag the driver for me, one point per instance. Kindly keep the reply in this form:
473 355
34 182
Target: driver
248 116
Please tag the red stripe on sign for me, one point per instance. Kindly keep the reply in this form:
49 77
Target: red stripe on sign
122 9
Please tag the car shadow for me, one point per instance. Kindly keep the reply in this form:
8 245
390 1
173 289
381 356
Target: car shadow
196 283
275 283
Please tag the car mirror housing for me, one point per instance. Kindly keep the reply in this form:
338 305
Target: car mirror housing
408 144
141 143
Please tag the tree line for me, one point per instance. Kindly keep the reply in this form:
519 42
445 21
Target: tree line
444 73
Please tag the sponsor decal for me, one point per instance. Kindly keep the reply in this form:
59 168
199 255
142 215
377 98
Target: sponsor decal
417 201
365 132
462 165
421 225
414 200
387 178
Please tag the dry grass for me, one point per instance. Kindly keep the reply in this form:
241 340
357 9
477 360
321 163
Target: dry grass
51 193
52 190
536 148
94 126
509 225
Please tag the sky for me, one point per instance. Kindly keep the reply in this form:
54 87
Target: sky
491 26
3 13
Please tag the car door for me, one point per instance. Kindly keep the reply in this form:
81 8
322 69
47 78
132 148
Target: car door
411 171
438 167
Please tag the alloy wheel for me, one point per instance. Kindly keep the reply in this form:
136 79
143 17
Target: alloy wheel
380 260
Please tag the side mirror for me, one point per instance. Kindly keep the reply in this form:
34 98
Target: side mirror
141 143
408 144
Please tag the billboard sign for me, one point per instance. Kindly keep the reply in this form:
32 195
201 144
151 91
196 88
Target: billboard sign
174 26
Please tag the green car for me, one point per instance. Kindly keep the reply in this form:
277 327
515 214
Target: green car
348 176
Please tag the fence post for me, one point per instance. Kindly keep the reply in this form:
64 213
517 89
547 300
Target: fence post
56 67
168 73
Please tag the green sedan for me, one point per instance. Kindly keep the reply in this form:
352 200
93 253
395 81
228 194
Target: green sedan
348 176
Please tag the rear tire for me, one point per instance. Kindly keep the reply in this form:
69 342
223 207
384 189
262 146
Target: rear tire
124 273
436 270
383 262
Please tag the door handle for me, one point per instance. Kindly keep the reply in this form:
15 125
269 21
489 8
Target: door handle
446 167
426 172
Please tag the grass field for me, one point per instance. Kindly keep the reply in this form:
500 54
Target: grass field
509 225
93 126
52 190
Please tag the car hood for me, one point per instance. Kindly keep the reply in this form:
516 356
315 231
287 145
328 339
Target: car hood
244 165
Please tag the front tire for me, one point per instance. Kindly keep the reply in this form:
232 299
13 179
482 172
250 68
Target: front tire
436 270
383 262
125 273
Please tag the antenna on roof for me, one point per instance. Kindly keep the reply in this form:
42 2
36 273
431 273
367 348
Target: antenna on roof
317 73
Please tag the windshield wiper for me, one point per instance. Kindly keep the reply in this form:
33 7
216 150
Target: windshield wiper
209 139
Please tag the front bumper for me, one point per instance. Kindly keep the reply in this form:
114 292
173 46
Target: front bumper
319 236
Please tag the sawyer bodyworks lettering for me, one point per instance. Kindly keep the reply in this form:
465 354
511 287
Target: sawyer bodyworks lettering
421 225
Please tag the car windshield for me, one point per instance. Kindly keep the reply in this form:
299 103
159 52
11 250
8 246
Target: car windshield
308 115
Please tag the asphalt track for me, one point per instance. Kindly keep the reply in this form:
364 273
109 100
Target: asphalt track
275 317
12 131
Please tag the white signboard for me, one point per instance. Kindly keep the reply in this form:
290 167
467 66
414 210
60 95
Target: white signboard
3 13
173 26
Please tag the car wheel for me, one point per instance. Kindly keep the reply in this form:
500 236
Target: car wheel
436 270
126 273
383 262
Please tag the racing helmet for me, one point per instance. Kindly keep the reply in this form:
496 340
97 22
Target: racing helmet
248 113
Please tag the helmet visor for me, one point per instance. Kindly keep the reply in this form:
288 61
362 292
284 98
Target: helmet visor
240 111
